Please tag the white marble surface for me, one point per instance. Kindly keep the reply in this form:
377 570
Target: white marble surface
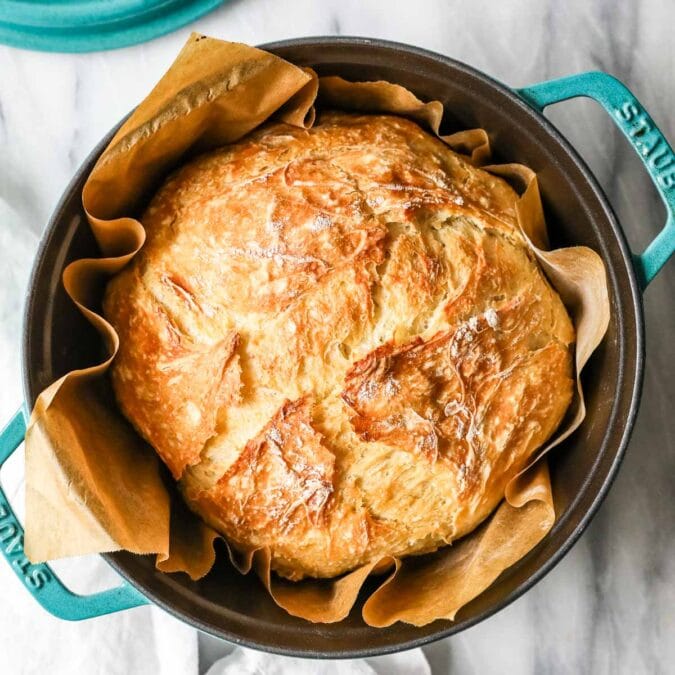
609 607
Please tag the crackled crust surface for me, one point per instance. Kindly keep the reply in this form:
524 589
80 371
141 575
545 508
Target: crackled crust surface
339 342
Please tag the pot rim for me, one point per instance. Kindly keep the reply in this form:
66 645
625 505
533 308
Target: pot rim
628 422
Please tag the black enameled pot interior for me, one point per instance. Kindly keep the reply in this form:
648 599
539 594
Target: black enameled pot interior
57 339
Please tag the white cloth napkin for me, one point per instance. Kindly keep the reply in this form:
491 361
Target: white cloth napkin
247 662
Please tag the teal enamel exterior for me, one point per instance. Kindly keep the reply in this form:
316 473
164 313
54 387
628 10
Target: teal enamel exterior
642 133
39 579
92 25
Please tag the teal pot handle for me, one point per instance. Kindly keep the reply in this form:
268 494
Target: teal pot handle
640 130
40 579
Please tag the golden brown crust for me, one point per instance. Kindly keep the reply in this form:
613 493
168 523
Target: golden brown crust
281 481
339 341
442 398
169 385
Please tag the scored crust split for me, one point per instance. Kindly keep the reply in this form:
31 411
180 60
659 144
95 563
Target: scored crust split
339 341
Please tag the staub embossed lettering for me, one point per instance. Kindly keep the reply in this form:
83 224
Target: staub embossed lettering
649 143
11 540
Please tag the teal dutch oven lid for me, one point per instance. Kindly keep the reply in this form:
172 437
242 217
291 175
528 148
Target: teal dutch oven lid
93 25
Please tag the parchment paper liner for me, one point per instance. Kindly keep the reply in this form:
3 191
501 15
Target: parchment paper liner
94 486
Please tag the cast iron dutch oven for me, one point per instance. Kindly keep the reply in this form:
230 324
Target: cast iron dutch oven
238 608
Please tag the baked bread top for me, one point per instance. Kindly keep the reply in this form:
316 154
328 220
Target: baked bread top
339 341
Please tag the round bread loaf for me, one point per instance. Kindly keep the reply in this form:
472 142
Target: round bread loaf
339 342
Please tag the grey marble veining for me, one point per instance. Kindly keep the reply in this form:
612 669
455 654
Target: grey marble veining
609 606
